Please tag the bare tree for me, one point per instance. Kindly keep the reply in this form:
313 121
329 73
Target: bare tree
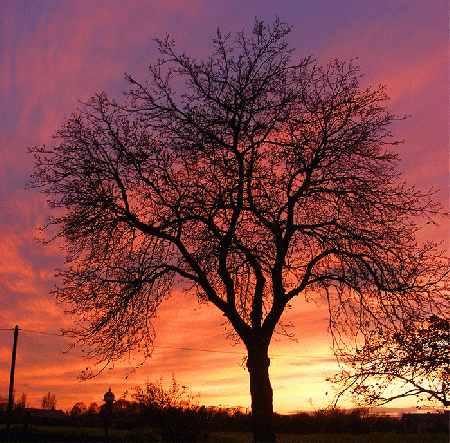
49 401
412 361
93 409
153 395
78 410
248 179
22 403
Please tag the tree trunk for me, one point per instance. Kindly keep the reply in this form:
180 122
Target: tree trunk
262 397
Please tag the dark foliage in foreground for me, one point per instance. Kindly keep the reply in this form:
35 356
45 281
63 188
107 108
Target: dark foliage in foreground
196 424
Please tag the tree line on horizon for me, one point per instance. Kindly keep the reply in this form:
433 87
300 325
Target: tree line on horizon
194 423
175 414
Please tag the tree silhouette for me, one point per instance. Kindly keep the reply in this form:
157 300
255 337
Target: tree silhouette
49 401
22 403
246 178
78 410
413 360
153 395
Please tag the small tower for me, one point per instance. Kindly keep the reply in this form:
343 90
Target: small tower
109 397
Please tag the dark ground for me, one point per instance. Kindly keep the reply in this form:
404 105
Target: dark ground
41 434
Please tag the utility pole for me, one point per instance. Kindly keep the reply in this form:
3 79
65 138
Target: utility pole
11 382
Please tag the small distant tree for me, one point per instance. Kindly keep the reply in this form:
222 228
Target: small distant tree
154 395
411 361
49 401
249 180
22 403
173 410
78 410
93 409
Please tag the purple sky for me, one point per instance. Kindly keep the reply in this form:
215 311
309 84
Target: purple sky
55 53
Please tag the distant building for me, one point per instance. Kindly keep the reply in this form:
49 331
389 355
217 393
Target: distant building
45 417
430 422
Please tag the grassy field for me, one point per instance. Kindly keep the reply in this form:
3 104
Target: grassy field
37 434
238 437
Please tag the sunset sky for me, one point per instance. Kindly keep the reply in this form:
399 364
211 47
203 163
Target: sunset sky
54 53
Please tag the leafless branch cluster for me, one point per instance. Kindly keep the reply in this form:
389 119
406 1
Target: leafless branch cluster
412 361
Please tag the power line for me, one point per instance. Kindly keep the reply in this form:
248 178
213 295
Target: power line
42 332
33 331
180 348
239 353
199 350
